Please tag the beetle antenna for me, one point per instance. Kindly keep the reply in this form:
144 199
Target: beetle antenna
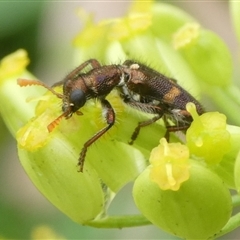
56 122
28 82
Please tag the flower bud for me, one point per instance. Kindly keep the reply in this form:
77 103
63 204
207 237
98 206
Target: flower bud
196 45
12 67
227 168
207 137
198 210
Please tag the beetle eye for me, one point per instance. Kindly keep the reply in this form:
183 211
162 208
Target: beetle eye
77 98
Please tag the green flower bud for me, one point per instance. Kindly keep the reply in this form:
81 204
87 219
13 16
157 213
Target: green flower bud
198 210
226 168
11 67
79 196
206 53
207 137
170 18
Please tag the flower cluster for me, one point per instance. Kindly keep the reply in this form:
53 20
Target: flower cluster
183 187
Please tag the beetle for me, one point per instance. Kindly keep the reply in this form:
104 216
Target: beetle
138 86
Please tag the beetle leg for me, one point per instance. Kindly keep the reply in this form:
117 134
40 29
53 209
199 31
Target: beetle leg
109 115
145 107
174 129
143 124
94 64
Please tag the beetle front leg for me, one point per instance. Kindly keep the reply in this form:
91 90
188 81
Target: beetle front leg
109 115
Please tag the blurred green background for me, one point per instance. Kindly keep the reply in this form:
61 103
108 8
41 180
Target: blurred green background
45 30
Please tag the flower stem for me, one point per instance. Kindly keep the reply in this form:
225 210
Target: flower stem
228 100
119 221
236 200
233 223
234 93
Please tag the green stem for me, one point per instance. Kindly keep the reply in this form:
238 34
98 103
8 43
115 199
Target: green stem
233 223
234 7
236 200
234 93
119 221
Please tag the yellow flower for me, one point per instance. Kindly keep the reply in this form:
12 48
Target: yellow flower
170 165
13 64
45 232
186 35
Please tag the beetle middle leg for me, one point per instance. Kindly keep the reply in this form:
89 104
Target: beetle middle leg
149 108
142 124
